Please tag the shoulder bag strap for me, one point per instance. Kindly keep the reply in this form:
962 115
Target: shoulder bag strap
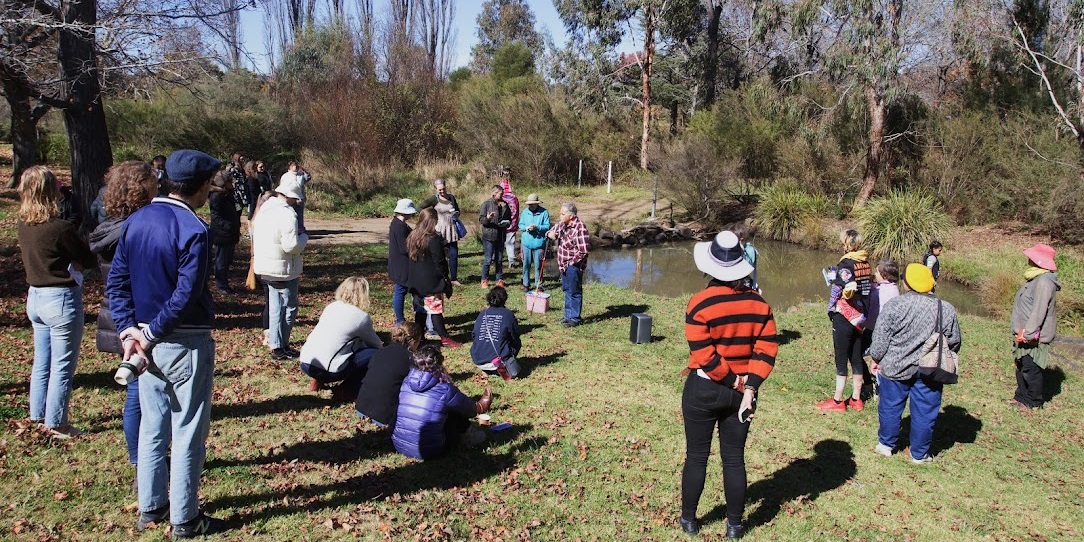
940 336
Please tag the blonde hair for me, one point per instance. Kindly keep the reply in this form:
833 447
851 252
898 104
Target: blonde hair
851 240
355 291
39 191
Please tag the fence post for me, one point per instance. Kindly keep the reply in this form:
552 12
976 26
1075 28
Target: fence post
654 197
579 176
609 176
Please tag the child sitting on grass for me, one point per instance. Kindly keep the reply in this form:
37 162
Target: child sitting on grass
496 337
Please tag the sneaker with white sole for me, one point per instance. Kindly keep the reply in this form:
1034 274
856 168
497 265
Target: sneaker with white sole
925 460
883 450
64 433
198 526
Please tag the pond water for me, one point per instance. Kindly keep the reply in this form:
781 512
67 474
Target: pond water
789 274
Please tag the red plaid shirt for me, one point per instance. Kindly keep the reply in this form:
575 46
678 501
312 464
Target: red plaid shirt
571 244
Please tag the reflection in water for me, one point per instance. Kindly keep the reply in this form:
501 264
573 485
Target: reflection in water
789 274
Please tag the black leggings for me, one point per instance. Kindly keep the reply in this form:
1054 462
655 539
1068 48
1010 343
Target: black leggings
848 345
420 316
705 404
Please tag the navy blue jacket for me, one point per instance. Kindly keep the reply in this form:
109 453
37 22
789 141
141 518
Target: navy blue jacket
160 270
398 260
424 405
496 333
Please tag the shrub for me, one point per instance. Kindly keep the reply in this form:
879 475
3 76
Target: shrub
694 176
901 224
785 208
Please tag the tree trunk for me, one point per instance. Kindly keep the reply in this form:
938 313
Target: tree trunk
24 131
650 20
876 104
84 118
711 63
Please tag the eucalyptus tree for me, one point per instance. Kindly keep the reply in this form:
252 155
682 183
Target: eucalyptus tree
608 21
500 22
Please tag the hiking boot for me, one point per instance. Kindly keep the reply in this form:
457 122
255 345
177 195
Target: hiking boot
482 405
832 405
523 288
485 284
292 352
734 531
856 404
691 527
448 342
280 354
64 432
150 520
883 450
198 526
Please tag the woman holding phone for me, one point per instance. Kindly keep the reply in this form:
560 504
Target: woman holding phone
729 359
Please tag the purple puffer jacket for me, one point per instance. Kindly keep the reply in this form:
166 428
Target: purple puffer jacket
424 404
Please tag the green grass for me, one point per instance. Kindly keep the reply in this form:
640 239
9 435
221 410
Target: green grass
595 452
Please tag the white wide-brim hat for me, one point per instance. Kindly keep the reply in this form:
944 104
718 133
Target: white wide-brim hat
722 258
288 192
405 207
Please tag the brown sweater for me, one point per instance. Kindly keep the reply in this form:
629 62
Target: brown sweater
48 249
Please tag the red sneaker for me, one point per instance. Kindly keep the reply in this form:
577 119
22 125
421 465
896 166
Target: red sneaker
449 343
501 283
856 404
833 406
485 284
315 385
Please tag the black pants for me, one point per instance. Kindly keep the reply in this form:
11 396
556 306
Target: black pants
438 319
848 346
223 259
1029 382
705 404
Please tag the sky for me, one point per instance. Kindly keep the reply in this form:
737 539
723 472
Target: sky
546 21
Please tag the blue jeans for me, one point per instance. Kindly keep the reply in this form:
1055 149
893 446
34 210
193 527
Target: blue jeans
532 260
492 251
175 397
398 303
131 417
56 314
925 404
572 284
453 260
282 311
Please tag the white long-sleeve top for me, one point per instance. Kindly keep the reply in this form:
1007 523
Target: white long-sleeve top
276 244
340 323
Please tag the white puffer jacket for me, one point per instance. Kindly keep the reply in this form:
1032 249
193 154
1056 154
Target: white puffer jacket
276 245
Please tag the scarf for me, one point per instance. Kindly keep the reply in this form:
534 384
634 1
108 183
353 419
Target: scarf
1032 272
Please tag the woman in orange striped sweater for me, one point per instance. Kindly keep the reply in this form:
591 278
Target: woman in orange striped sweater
732 349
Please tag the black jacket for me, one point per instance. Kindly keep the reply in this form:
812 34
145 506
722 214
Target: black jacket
493 228
398 261
429 275
103 242
379 395
225 219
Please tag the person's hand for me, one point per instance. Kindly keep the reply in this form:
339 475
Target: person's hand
747 399
532 227
133 341
739 382
491 214
874 367
552 235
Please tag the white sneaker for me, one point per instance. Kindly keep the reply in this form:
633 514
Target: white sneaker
923 461
267 337
883 450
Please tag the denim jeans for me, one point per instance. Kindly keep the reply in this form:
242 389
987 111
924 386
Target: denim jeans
282 311
132 415
492 253
175 397
572 284
56 313
706 404
532 260
925 404
453 260
398 303
223 255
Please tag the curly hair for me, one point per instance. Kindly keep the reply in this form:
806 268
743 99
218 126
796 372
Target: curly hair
39 191
407 334
429 359
128 186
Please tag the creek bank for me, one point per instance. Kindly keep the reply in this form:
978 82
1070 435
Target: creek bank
649 233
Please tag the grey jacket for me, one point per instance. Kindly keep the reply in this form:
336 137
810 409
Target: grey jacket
902 328
1034 308
492 228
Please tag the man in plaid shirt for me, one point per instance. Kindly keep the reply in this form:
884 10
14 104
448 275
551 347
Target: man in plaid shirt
571 237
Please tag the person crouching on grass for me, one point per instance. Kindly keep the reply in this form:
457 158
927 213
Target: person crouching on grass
732 349
342 343
495 340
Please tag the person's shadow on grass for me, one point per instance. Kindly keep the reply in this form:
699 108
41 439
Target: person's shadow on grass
954 425
830 467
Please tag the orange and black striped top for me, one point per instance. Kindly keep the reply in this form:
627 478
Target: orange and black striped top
731 333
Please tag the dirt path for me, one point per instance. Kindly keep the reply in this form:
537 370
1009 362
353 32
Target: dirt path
346 231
